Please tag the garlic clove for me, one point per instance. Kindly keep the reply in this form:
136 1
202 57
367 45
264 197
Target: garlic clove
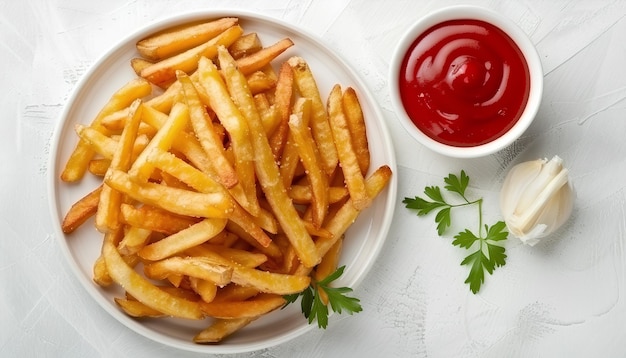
536 199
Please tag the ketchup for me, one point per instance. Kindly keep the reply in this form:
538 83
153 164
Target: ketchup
464 82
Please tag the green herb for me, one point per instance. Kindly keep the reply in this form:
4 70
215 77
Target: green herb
314 308
487 255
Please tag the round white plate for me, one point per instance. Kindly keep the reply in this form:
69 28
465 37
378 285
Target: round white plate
362 243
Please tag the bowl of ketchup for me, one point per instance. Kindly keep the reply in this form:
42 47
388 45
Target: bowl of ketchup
465 81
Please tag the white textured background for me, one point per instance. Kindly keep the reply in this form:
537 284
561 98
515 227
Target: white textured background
562 298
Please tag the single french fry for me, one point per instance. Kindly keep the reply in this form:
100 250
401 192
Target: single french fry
242 257
138 64
260 82
81 211
301 194
178 201
220 329
262 57
290 158
347 155
197 267
110 199
264 281
205 289
134 239
164 101
270 249
192 236
100 273
76 165
269 113
99 167
185 172
356 125
174 41
266 168
96 142
163 139
320 126
142 289
153 219
257 306
234 292
245 45
311 160
283 99
203 127
137 309
164 71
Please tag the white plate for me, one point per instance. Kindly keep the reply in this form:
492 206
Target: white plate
363 240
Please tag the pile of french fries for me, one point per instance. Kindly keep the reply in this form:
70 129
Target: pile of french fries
227 180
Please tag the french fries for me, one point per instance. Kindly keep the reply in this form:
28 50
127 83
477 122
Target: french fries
229 185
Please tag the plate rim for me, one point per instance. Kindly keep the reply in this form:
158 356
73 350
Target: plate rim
54 160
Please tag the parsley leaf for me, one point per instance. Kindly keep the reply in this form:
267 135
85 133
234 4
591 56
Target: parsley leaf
457 184
479 260
488 255
314 308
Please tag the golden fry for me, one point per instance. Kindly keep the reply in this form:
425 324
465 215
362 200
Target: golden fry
197 267
81 211
137 309
99 167
220 329
257 306
139 64
301 194
283 98
134 239
262 57
182 240
245 45
154 219
177 40
356 125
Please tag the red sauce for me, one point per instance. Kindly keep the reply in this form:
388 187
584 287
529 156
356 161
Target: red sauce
464 82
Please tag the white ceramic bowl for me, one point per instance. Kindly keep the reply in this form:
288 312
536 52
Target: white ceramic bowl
362 243
520 38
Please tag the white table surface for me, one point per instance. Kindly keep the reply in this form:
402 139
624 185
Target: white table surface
561 298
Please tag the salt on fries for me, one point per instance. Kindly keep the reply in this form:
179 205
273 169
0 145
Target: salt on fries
225 184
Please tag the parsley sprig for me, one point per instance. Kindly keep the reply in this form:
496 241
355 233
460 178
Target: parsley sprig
488 255
314 308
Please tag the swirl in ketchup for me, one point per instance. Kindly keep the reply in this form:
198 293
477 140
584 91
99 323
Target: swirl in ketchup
464 82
